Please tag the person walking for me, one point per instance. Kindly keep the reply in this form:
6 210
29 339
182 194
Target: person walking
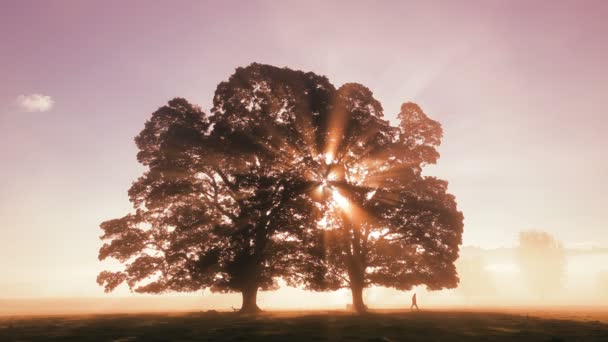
414 303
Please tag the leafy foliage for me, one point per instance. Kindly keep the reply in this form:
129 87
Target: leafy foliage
288 178
220 190
386 223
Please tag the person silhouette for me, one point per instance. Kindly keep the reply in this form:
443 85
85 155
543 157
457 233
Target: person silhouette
414 303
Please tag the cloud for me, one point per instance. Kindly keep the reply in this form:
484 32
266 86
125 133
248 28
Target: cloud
35 102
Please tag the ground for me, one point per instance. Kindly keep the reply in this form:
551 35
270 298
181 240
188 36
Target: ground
306 326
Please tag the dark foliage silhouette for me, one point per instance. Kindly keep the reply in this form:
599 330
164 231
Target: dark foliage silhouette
220 190
385 223
287 178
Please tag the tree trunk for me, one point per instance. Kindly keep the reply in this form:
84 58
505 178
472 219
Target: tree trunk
358 305
249 305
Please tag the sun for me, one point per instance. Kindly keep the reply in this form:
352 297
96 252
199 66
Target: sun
341 201
325 187
328 180
329 158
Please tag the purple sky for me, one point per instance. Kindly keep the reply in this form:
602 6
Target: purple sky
521 88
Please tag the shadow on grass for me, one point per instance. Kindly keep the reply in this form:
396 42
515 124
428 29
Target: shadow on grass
307 326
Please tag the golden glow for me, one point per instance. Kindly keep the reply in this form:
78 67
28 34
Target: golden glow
332 176
323 222
335 131
340 200
319 190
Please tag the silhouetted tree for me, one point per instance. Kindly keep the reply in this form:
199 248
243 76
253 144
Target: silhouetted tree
223 193
542 261
384 223
234 200
264 119
172 224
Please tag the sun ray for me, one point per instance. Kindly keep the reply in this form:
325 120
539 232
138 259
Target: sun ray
340 200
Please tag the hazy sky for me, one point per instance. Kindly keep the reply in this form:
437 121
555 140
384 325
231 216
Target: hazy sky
521 88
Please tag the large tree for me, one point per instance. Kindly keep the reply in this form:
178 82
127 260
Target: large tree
173 224
223 193
235 200
384 223
264 121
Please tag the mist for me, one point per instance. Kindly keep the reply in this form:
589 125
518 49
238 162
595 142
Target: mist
519 276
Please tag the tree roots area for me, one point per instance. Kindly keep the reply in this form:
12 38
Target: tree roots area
304 326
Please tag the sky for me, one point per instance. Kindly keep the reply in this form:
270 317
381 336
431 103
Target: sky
519 87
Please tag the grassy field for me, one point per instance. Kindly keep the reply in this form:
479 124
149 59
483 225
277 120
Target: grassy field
304 326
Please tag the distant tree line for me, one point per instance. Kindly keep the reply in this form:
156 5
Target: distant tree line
542 262
287 177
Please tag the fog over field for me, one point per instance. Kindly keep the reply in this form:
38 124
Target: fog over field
149 150
490 279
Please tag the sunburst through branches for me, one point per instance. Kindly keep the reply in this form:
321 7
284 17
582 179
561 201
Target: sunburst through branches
288 178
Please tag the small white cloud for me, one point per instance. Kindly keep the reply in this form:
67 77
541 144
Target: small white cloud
35 102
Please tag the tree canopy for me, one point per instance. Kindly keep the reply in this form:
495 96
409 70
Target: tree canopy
385 224
291 178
